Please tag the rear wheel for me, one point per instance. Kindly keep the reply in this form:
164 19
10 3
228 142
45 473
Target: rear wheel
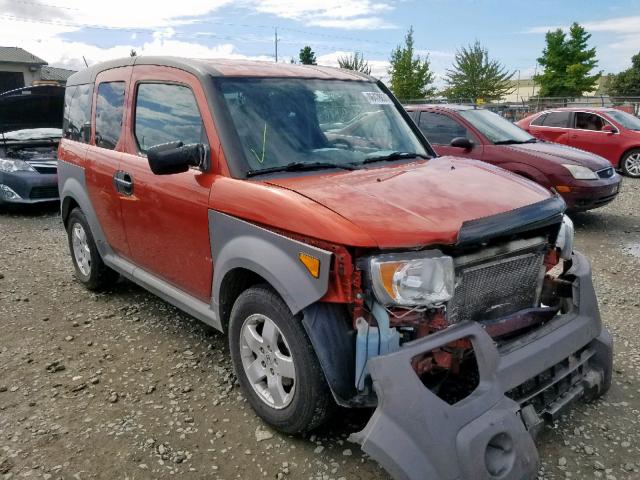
276 364
90 269
630 163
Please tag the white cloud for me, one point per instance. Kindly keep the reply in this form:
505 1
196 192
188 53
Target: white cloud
363 23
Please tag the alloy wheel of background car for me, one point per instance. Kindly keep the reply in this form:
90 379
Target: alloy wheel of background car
631 163
81 252
295 397
267 361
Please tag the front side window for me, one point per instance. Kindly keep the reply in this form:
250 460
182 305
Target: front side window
167 113
557 120
280 121
76 123
441 129
109 109
496 128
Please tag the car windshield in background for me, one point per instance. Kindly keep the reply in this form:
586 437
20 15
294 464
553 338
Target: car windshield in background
301 124
625 119
31 134
495 128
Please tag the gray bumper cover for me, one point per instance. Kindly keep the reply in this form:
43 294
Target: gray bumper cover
415 435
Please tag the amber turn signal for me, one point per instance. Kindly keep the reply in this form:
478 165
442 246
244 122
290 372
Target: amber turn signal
563 189
312 264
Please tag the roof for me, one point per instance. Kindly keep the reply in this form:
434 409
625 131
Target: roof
578 109
55 73
19 55
223 68
439 106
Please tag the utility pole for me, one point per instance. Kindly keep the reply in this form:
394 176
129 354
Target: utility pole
276 43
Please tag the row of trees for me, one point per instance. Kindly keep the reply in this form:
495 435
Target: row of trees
567 62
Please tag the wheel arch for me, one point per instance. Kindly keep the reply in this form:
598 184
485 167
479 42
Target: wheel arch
624 154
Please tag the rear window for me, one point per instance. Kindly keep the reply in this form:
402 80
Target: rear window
76 122
539 120
557 119
167 113
109 109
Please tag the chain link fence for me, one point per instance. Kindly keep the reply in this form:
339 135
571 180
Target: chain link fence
515 111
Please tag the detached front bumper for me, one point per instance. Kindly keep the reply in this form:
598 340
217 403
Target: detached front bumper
489 434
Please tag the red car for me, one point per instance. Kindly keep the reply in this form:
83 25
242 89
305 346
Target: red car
584 180
610 133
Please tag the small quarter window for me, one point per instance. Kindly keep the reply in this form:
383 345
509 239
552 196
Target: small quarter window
167 113
557 119
441 129
109 109
76 122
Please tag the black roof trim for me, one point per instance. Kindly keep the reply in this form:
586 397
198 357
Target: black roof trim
530 217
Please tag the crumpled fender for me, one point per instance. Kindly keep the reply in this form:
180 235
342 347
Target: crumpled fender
415 435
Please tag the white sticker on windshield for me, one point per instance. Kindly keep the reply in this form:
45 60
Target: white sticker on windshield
377 98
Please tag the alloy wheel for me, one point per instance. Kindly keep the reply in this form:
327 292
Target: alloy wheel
81 251
267 361
632 164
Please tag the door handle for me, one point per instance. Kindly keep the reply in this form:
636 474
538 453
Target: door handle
123 182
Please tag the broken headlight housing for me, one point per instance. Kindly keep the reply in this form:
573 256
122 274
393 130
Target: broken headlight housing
412 279
564 243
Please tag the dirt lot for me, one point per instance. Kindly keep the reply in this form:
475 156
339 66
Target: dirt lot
122 385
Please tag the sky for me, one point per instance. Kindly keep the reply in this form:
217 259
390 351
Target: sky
64 31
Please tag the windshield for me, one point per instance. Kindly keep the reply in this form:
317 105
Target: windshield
495 128
32 134
283 121
625 119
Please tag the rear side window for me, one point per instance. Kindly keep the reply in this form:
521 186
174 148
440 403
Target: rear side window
557 119
76 122
539 120
441 129
167 113
109 109
589 121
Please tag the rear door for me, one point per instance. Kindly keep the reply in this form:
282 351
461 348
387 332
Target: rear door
440 129
166 217
105 152
552 127
587 134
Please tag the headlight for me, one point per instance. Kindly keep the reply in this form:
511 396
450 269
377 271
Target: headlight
420 278
581 173
7 165
565 238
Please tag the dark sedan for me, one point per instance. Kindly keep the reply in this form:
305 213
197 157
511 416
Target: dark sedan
583 179
30 130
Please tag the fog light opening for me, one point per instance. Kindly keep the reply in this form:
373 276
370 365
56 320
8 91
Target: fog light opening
499 456
7 193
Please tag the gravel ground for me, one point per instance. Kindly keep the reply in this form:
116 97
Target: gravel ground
122 385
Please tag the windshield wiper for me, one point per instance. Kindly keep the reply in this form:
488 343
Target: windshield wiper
393 156
515 142
298 167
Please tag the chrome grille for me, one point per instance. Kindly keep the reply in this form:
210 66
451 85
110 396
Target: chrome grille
495 286
606 172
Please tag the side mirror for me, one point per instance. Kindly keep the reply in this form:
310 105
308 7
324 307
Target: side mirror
462 142
175 157
609 129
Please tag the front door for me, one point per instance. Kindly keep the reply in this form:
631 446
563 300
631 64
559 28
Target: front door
105 152
587 135
440 129
166 217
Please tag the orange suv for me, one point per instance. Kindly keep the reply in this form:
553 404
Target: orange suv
348 266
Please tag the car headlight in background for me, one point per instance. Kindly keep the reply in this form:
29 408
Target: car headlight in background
581 173
565 238
412 279
11 165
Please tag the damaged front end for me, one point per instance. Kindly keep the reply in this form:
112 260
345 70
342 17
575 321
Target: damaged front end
506 336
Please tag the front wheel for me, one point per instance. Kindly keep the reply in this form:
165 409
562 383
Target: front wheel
276 364
630 163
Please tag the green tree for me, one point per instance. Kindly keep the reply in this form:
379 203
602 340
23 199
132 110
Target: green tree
411 76
474 75
133 53
627 82
567 62
307 56
355 62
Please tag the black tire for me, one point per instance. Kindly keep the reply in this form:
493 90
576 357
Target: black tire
99 275
312 403
626 163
